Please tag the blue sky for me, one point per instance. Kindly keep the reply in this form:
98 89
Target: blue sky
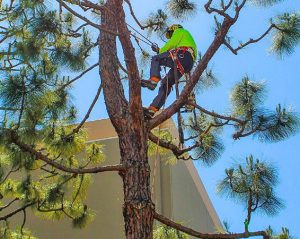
283 83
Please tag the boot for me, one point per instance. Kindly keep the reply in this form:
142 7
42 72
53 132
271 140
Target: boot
149 113
151 85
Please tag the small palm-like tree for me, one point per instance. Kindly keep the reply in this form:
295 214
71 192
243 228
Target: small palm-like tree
252 184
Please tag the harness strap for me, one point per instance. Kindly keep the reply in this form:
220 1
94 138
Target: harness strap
174 56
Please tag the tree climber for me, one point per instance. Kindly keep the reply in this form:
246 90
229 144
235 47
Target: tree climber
179 54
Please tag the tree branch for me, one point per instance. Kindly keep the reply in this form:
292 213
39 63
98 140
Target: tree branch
194 233
135 102
250 41
79 76
211 113
4 218
38 155
76 130
133 15
87 20
167 145
238 9
210 10
10 203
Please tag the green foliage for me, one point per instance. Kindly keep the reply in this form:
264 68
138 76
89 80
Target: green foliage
287 34
252 183
181 8
278 125
95 153
154 149
284 234
246 97
165 232
205 135
265 3
85 216
156 22
7 233
207 80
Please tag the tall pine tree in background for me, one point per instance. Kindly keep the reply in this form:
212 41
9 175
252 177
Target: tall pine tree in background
42 42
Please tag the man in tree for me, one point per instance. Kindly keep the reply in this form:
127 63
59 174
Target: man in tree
37 132
179 53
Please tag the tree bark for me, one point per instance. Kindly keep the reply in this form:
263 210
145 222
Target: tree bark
127 119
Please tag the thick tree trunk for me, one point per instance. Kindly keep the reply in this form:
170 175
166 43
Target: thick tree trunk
127 118
138 209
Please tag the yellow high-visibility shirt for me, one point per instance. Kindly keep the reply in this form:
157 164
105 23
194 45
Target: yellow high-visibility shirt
180 38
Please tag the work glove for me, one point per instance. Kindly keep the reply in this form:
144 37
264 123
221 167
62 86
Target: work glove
155 48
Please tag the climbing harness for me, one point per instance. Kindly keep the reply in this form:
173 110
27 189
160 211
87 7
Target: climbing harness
174 55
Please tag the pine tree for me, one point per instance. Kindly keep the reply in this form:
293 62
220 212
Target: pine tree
43 43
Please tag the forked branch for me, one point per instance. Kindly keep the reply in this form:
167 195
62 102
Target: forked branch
99 27
250 41
168 145
210 10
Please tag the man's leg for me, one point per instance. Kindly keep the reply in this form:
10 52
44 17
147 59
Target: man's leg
157 61
166 85
164 90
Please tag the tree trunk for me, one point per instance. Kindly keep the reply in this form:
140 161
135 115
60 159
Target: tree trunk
138 209
127 119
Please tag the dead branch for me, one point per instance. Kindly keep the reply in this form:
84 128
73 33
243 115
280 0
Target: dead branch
133 15
87 20
76 130
210 10
79 76
250 41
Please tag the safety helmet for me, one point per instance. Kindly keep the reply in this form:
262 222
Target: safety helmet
170 30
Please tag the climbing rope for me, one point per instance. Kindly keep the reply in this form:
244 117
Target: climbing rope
157 146
142 37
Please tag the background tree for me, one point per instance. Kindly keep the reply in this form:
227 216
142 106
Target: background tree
42 43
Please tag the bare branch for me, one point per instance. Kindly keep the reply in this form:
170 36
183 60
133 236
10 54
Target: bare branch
210 10
4 218
211 113
133 15
230 47
24 220
87 20
76 130
238 9
7 205
194 233
79 76
228 5
251 41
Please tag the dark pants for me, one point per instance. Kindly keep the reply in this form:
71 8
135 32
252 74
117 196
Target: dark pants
168 81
